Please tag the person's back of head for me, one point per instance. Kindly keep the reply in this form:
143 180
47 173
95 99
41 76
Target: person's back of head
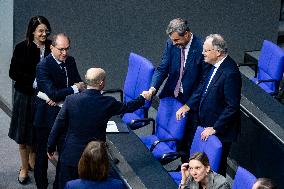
95 77
264 183
94 163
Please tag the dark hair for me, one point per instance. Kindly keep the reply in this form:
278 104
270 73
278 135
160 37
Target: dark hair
34 22
265 183
94 163
202 157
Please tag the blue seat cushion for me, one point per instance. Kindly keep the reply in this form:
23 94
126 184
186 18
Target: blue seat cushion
160 149
268 87
128 117
176 176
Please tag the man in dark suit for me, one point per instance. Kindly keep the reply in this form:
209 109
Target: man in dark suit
183 66
219 97
84 116
57 76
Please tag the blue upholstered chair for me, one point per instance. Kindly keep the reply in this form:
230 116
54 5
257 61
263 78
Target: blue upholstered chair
243 179
138 79
270 67
167 132
212 147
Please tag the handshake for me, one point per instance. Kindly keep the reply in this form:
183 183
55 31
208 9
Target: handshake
149 94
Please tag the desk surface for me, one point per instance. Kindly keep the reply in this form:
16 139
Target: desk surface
136 163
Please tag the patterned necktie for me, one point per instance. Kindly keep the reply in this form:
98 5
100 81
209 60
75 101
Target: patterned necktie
182 58
63 68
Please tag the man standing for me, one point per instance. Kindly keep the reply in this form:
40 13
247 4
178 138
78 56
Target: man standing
219 96
57 76
183 66
84 116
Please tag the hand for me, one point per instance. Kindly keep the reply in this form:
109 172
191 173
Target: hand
182 111
50 155
147 95
81 86
207 132
184 172
50 102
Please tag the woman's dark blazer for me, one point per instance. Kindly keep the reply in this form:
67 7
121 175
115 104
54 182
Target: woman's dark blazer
23 65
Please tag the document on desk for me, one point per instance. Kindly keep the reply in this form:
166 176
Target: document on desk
111 127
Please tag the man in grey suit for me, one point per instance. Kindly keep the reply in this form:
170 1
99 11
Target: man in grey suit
84 117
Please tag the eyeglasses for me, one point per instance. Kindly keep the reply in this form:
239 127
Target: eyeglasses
63 49
208 50
47 32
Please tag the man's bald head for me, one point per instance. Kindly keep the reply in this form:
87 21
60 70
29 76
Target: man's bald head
95 77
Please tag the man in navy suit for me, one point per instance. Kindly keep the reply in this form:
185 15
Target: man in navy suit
57 76
219 97
183 66
84 116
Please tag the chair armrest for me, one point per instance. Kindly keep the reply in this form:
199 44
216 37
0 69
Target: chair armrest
250 64
171 156
114 91
153 146
145 121
266 80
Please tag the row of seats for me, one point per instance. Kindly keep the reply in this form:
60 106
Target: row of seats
270 67
167 131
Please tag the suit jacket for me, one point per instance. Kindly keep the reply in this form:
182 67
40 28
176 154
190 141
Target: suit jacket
215 181
170 68
84 116
52 81
23 65
88 184
220 106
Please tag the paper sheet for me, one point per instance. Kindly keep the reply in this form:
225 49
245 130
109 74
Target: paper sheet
43 96
111 127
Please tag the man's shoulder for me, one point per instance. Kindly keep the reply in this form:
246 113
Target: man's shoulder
197 43
46 61
70 59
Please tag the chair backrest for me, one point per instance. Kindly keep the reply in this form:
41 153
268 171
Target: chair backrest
138 79
212 147
270 64
167 126
243 179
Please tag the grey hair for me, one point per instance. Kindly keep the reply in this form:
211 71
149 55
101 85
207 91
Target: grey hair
218 42
177 25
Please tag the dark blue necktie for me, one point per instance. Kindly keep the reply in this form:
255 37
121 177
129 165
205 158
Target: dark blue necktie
207 81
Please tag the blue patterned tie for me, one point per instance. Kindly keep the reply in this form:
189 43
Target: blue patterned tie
205 87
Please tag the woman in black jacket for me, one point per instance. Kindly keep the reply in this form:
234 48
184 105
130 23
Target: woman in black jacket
27 54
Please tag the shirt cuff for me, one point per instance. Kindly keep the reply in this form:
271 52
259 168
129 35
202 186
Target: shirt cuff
35 84
75 89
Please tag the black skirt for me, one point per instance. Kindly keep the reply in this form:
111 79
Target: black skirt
21 127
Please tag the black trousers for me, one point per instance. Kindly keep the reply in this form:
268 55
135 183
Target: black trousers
66 174
190 130
41 160
226 146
